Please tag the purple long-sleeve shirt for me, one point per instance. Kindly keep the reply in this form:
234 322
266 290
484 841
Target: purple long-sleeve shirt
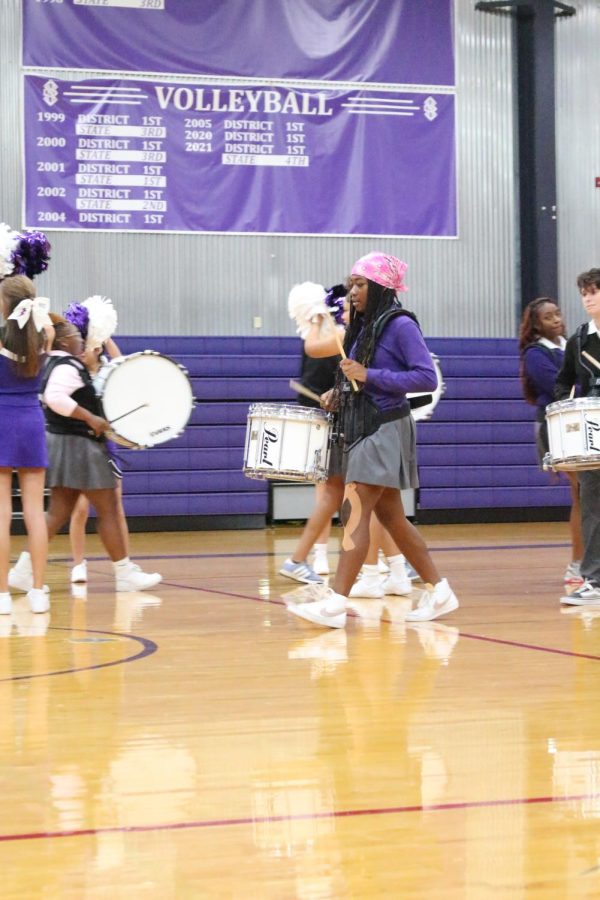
401 364
542 364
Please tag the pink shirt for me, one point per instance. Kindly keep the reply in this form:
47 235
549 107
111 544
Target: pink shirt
63 381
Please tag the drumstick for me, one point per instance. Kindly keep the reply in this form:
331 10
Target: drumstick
300 389
590 358
131 411
572 394
341 349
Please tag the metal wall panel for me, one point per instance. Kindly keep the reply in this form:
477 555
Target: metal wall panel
578 150
207 284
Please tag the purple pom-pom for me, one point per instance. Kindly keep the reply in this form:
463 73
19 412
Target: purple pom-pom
78 316
31 255
335 299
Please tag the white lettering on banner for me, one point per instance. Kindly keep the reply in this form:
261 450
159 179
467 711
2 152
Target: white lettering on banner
97 119
247 148
104 168
103 144
105 193
141 180
154 205
105 218
221 100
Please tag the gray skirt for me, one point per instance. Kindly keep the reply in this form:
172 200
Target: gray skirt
387 458
78 462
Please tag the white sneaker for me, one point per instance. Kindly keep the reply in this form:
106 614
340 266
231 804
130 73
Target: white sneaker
39 602
329 611
368 589
79 573
382 563
132 578
434 603
5 604
20 577
397 585
320 564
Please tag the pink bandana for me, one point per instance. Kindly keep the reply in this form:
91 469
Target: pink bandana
383 269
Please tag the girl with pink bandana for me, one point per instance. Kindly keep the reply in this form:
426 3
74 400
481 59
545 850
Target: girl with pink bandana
387 359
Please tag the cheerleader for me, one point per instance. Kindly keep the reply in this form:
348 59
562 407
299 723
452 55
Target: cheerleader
78 459
22 437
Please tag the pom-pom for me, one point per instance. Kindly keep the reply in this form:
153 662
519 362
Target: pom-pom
8 242
31 254
335 299
305 301
102 322
79 316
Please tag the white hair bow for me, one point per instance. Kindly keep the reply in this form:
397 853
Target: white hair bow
37 308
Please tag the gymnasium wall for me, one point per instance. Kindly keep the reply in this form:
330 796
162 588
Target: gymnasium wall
214 284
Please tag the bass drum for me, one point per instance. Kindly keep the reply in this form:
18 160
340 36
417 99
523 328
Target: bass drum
423 405
147 398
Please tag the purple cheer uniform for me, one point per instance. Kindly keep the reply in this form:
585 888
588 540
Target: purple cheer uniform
23 429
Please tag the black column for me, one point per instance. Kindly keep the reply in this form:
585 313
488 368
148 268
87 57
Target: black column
538 250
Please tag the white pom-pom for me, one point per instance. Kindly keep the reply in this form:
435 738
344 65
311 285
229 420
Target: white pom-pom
8 242
103 320
305 301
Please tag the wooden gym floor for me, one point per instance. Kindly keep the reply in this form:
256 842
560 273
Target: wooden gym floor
200 742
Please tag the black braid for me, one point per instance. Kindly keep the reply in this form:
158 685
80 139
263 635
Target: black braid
379 300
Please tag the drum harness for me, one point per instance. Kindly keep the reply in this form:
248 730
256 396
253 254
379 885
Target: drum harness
358 417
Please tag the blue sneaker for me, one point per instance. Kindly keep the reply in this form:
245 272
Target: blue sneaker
300 571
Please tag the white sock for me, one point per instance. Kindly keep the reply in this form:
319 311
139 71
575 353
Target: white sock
370 574
397 565
121 564
320 549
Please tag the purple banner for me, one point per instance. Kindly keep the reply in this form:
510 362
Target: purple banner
396 42
139 155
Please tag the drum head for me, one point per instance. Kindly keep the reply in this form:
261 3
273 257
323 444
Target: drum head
148 399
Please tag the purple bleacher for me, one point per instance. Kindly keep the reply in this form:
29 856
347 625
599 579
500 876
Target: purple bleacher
476 453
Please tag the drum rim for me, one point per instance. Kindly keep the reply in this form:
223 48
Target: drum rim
300 412
573 403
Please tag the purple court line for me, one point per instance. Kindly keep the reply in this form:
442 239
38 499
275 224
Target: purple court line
474 637
300 817
148 648
462 549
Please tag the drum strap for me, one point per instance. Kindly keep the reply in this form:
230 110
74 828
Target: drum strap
359 417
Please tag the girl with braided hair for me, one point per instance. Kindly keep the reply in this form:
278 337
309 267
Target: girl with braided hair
386 359
542 345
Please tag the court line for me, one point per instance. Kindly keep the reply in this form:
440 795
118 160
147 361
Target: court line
148 648
475 637
462 549
299 817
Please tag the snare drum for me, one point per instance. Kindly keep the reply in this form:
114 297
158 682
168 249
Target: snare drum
287 442
573 434
147 398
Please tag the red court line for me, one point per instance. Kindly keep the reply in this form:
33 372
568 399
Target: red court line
474 637
300 817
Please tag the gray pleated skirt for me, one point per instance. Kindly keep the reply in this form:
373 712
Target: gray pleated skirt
387 458
78 462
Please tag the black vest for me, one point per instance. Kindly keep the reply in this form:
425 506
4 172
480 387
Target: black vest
85 397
